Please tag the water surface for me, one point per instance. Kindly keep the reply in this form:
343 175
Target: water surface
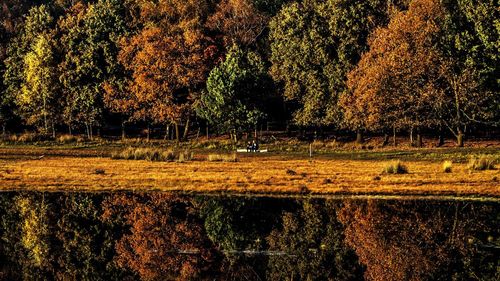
160 236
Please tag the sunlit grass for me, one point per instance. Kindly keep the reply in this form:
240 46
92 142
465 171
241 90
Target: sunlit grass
447 166
395 167
251 174
481 163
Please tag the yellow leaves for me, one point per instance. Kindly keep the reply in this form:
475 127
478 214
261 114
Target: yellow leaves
33 229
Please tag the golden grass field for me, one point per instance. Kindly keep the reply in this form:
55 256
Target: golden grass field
263 174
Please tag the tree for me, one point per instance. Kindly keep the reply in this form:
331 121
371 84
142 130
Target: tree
168 60
30 70
313 47
406 81
238 21
90 42
313 239
166 239
37 100
236 91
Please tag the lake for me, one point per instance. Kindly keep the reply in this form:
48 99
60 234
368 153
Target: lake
166 236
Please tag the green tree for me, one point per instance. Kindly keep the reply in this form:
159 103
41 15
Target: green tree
90 44
314 45
236 91
313 240
30 70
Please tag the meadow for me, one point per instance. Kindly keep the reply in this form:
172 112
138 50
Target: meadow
286 170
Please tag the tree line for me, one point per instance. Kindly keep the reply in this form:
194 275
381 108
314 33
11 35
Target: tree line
376 65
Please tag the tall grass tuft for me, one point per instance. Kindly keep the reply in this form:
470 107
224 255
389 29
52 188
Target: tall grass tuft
482 163
395 167
222 157
152 154
447 166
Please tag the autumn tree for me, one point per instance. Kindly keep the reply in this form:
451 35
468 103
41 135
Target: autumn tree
168 60
406 81
11 17
238 21
30 73
313 46
166 238
236 92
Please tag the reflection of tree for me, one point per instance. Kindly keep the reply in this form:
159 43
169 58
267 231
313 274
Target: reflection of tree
166 240
240 224
313 241
411 240
87 243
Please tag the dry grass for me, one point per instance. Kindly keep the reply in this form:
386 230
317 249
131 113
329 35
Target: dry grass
222 157
263 174
395 167
447 166
482 163
153 154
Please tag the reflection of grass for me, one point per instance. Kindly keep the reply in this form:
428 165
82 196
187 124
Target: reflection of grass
251 174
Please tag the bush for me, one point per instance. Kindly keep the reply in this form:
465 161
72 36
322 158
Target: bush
395 167
482 163
69 139
222 157
152 154
447 166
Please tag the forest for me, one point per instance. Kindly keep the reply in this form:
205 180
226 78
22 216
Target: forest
374 66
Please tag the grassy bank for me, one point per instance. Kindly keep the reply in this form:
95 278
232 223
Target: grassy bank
342 172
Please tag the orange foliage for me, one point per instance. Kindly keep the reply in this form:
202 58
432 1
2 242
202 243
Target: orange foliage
397 81
402 240
166 240
239 22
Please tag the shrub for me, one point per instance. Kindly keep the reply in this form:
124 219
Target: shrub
69 139
152 154
482 163
395 167
99 171
222 157
447 166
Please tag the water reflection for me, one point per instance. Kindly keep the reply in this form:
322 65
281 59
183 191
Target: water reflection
158 236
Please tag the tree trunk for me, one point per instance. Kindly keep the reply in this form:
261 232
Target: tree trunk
124 135
359 137
460 138
53 130
419 140
394 141
4 130
208 136
186 130
87 130
441 137
386 140
411 137
167 132
177 137
91 132
70 130
148 132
